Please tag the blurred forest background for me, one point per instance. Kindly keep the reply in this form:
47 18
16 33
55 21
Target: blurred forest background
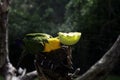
97 20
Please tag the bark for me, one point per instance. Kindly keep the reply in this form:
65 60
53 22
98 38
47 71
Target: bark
3 32
55 65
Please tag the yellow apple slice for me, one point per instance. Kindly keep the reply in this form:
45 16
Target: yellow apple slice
70 38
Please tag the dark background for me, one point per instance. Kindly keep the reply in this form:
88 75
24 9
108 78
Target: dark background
97 20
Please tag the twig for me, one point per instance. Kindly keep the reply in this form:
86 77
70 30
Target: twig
29 76
9 71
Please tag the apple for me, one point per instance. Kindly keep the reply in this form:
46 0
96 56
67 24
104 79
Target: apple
70 38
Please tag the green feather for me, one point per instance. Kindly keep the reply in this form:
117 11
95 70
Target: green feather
34 42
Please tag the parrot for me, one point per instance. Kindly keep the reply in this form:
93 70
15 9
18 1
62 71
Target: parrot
40 42
43 42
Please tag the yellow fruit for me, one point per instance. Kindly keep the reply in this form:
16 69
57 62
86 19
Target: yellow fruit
52 44
70 38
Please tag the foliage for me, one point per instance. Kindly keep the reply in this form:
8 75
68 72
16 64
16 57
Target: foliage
113 77
35 16
1 78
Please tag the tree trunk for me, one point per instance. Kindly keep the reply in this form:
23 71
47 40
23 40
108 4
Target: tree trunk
5 66
3 33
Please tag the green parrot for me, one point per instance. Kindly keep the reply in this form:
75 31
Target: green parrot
41 42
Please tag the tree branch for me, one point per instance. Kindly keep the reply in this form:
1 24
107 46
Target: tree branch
100 70
9 73
29 76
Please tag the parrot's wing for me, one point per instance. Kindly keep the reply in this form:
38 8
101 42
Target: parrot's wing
34 42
